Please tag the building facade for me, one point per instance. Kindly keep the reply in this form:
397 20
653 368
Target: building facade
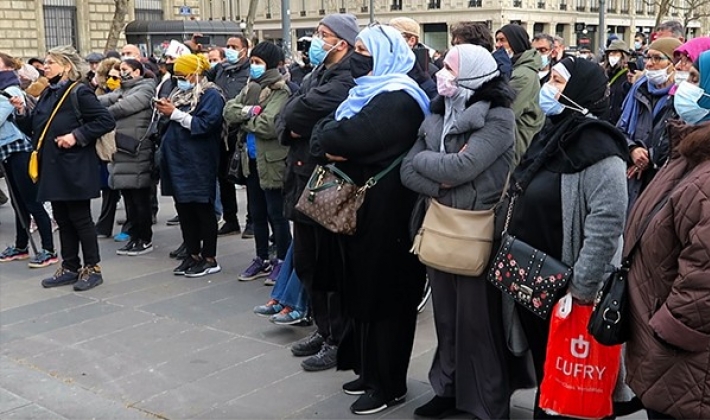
29 27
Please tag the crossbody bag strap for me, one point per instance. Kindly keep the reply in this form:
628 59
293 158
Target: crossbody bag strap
378 177
51 117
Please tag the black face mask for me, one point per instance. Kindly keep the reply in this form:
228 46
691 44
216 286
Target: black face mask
56 79
360 65
169 67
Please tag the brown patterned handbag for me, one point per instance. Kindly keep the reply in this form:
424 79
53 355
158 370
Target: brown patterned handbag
332 199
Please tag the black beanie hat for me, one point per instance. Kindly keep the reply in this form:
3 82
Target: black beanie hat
518 38
270 53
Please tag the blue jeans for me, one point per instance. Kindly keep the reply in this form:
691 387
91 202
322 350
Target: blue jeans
288 289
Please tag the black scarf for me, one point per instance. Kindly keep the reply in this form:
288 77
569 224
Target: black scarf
8 78
571 142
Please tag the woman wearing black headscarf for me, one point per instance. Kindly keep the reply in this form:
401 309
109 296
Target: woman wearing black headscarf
573 200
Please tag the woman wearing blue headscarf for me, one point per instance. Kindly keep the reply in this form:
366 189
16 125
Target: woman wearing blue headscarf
379 280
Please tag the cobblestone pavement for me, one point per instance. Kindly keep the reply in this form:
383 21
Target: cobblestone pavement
147 344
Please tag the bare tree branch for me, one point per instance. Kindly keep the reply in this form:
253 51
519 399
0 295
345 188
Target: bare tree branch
119 19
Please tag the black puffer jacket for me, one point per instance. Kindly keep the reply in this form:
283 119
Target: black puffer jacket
131 108
320 94
231 78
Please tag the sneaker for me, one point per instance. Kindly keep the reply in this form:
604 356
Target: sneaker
325 359
89 278
274 275
104 235
203 268
186 263
258 268
122 237
248 231
308 346
61 277
140 247
372 402
229 229
356 387
272 307
288 316
14 254
180 253
438 408
43 259
125 248
173 222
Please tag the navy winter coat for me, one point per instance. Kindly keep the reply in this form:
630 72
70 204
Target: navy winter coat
189 158
68 174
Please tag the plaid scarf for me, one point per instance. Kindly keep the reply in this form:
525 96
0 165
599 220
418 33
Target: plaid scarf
191 97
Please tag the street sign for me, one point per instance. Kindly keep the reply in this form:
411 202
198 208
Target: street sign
185 11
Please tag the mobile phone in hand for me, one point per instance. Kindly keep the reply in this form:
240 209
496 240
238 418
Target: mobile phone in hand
632 66
5 94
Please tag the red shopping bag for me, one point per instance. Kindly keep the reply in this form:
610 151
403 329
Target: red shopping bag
580 374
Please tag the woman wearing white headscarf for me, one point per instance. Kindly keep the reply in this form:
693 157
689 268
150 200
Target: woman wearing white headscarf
461 159
379 280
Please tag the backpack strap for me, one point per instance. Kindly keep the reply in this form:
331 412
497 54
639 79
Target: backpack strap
74 98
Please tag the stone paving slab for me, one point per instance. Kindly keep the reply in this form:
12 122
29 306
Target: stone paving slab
147 344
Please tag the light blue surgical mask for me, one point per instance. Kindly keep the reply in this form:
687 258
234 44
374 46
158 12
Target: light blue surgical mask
231 55
213 65
256 71
545 61
686 104
316 52
548 100
184 85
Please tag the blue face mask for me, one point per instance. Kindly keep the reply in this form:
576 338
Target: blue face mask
548 101
184 85
686 104
545 61
213 65
231 55
256 71
316 52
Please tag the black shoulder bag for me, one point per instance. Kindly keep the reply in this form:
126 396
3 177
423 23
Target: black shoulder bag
609 323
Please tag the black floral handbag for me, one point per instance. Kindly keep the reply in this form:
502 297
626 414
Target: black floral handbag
531 277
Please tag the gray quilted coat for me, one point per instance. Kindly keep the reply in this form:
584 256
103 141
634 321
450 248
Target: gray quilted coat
131 107
668 355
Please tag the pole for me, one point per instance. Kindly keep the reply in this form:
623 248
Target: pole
372 11
602 25
286 30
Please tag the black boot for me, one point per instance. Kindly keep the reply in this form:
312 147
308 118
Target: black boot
437 408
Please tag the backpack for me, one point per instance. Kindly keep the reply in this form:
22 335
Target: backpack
106 144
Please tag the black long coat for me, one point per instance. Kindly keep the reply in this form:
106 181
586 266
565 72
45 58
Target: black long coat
68 174
378 269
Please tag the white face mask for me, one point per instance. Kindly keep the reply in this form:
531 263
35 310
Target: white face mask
614 60
681 76
658 77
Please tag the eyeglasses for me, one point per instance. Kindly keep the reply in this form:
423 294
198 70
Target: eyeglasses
180 77
655 58
114 77
323 34
684 59
379 26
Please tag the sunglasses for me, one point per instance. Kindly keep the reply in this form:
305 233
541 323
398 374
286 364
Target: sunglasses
114 77
379 26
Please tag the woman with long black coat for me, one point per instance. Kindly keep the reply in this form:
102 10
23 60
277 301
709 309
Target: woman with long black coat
381 281
68 164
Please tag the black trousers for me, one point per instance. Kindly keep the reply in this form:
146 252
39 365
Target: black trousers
109 200
76 228
326 307
227 192
383 349
25 193
199 228
139 212
655 415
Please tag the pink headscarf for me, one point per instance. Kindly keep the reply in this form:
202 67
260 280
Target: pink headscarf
693 48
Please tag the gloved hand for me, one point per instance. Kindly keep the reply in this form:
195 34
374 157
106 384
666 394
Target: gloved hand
251 111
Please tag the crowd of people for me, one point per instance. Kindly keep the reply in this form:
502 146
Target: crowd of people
595 149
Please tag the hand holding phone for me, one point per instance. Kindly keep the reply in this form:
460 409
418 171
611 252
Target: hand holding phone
632 66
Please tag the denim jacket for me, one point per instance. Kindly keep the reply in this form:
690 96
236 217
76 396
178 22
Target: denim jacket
9 132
